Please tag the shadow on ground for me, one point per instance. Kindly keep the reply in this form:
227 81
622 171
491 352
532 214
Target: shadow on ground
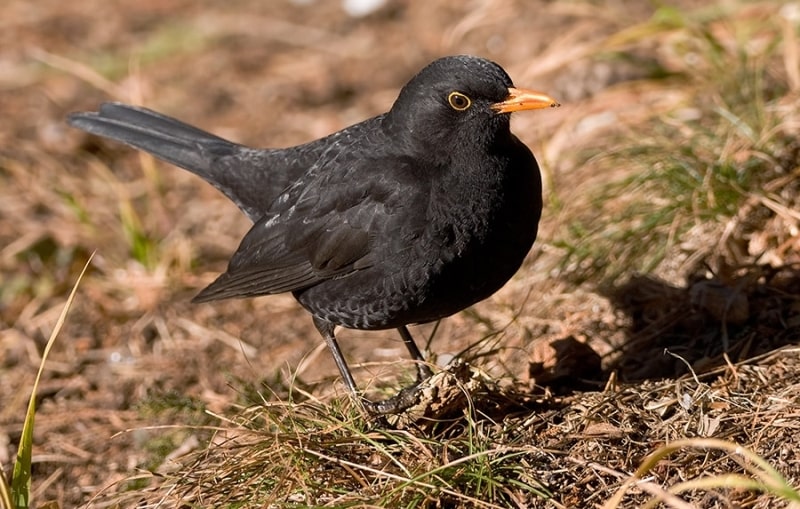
705 324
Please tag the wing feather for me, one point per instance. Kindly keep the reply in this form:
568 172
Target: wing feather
297 249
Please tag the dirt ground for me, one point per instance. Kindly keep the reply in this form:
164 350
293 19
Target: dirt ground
135 357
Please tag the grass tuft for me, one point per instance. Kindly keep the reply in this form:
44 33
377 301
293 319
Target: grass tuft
313 454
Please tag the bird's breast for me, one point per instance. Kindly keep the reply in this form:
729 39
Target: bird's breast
440 252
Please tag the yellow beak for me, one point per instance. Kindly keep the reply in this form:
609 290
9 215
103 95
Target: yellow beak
520 99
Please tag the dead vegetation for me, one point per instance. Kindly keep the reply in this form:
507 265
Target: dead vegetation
660 303
575 451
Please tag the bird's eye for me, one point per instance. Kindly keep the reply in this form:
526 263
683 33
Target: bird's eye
459 101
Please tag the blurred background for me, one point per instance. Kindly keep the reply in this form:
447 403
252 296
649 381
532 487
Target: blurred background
672 160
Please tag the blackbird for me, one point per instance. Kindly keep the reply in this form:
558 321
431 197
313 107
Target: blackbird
404 218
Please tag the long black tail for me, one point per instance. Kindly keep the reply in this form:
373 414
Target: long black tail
239 172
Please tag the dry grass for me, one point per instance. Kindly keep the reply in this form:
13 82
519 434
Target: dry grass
671 225
574 451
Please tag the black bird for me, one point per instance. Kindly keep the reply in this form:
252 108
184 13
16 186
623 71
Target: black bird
405 218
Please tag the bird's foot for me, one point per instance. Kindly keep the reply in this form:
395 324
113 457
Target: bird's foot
403 400
406 398
432 398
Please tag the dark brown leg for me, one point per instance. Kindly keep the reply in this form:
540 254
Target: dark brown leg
396 404
423 370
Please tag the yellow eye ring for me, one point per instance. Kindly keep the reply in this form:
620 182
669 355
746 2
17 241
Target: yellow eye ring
459 101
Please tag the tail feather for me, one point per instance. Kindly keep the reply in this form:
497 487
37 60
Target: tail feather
240 173
134 115
169 139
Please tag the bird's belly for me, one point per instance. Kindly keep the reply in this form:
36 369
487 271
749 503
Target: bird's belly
370 299
425 288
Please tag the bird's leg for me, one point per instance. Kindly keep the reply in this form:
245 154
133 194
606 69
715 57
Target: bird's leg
396 404
423 370
326 328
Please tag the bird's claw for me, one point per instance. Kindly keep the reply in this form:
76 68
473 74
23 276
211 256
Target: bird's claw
424 372
398 403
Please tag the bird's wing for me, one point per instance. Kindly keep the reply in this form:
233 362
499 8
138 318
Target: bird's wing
320 228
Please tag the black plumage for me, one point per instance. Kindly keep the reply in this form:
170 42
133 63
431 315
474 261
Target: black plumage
404 218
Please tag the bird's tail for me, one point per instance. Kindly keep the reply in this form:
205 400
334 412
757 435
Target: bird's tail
164 137
239 172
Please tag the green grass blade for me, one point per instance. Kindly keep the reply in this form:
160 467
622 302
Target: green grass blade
21 476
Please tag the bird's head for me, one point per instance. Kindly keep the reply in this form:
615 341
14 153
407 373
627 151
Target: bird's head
457 100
